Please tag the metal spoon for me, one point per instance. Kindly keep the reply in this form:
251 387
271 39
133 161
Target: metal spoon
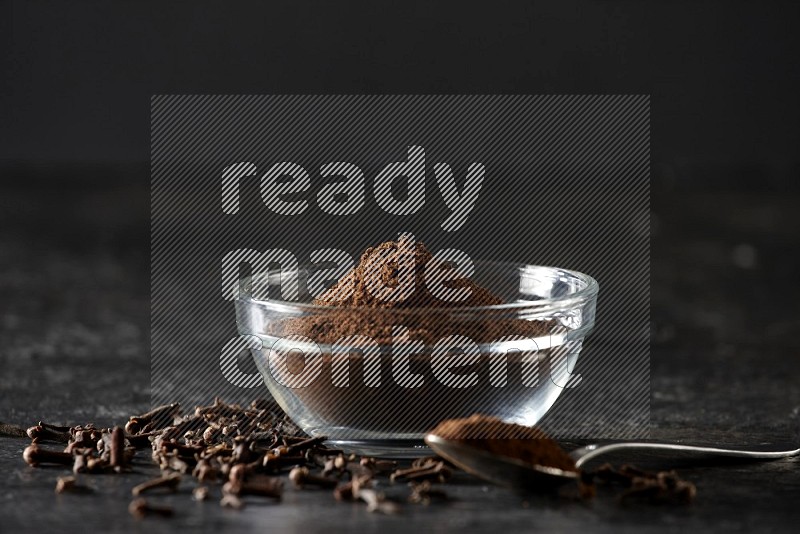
514 473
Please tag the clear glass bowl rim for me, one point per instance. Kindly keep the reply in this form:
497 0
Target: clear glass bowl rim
570 300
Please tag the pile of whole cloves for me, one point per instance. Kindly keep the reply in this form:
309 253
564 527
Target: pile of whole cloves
230 450
247 452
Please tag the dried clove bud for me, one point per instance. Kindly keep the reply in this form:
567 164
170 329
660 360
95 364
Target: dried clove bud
276 463
424 492
329 467
96 465
301 477
40 433
299 447
172 462
607 474
57 428
85 436
117 449
344 492
35 456
70 485
340 462
200 493
169 482
205 471
155 419
239 472
141 440
665 486
376 502
79 464
263 486
184 451
242 453
426 461
140 508
231 501
348 491
378 466
436 472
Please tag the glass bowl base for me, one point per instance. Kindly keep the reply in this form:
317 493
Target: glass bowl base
383 448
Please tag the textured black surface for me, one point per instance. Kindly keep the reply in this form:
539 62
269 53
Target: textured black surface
74 314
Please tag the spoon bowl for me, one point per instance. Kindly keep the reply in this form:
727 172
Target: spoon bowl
500 470
513 473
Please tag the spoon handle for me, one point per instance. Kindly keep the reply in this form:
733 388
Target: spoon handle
590 452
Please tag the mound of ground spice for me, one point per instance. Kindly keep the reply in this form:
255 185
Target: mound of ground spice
527 444
380 266
357 310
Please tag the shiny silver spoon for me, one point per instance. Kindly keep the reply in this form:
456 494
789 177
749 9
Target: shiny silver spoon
513 473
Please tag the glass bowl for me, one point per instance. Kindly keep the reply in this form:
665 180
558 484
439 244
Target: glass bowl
396 373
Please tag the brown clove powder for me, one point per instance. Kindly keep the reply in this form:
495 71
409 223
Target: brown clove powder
528 444
357 311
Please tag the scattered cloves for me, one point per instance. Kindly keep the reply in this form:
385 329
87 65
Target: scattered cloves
664 486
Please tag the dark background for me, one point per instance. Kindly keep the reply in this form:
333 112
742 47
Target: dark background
75 89
723 76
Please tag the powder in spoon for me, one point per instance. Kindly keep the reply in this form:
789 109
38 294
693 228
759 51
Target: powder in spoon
527 444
